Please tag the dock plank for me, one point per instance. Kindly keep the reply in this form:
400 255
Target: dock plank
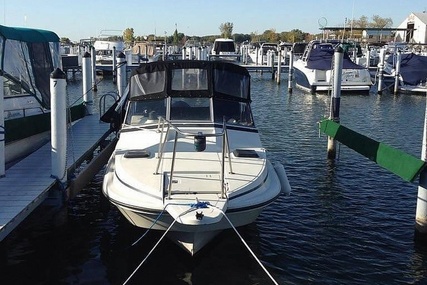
26 184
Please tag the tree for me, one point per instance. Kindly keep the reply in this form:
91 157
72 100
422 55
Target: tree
378 22
362 22
226 29
65 41
128 36
270 36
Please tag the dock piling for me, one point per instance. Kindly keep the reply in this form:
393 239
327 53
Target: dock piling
93 54
58 84
421 209
397 72
291 70
381 71
121 73
279 64
87 82
114 66
336 97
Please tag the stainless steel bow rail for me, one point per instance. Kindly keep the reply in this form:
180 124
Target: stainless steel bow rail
164 138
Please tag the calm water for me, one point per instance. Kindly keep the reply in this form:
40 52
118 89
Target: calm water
346 222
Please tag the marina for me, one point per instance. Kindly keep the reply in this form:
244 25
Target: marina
156 164
347 221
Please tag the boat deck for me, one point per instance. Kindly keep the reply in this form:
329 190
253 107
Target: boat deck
26 184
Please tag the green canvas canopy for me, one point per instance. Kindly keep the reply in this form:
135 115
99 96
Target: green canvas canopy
28 35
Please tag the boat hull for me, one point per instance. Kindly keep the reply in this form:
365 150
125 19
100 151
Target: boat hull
190 237
318 81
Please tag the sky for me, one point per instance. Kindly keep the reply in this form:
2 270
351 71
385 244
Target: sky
78 19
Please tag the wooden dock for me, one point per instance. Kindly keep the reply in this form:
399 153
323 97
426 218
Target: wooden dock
28 183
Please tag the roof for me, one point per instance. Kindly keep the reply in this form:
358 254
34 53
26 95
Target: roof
422 16
28 35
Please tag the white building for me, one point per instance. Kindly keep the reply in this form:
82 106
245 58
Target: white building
415 29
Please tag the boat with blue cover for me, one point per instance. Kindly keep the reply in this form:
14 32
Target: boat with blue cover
314 70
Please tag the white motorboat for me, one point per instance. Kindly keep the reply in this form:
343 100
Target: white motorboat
314 70
189 159
224 49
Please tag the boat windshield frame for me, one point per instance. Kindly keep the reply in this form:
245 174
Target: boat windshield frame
196 91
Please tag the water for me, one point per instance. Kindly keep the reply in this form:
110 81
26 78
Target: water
346 222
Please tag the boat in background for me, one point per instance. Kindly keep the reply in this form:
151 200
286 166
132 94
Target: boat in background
104 52
314 70
224 49
413 72
189 159
29 56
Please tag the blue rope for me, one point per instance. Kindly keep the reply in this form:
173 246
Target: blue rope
200 205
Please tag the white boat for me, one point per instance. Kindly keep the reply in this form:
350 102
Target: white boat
106 47
28 58
189 159
224 49
314 70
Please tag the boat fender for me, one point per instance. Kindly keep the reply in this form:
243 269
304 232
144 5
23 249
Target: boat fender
281 173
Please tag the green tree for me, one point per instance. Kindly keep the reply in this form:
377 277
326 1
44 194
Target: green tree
65 41
378 22
128 35
362 22
226 29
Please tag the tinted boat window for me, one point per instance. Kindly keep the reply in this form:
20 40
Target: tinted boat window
189 79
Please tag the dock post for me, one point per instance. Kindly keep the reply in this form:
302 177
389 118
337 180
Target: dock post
335 101
190 53
397 72
184 53
272 64
121 73
421 210
93 53
381 71
87 82
2 131
368 57
256 57
114 66
199 53
279 64
291 70
58 85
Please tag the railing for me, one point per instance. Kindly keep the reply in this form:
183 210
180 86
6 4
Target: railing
164 137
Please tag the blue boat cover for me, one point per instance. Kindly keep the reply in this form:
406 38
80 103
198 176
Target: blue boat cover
321 59
413 68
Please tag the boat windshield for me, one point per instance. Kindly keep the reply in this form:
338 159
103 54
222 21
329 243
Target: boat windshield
194 109
145 111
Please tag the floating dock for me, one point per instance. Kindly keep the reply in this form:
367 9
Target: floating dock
29 183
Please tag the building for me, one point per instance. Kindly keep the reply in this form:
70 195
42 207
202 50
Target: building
413 29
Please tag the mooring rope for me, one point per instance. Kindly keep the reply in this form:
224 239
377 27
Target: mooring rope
194 207
247 246
158 242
